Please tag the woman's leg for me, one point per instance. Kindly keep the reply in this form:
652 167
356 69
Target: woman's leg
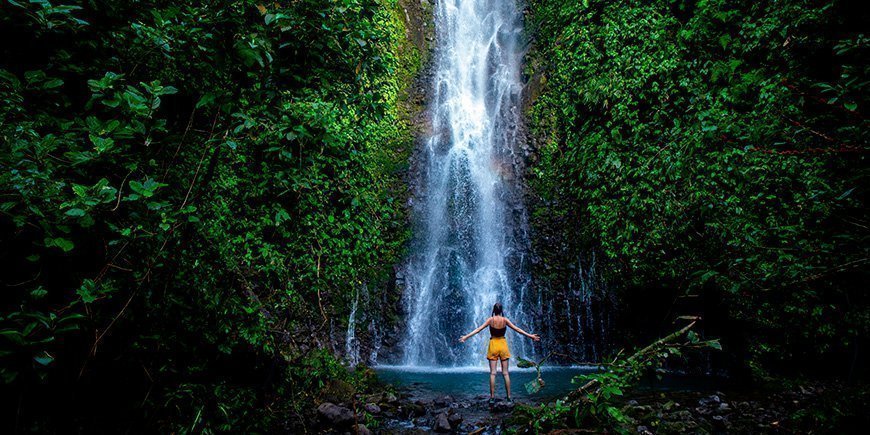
507 377
492 365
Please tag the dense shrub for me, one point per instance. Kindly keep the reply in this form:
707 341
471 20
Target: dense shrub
191 192
714 145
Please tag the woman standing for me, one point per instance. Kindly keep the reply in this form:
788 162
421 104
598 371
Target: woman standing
498 348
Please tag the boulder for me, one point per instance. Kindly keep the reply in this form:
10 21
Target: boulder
441 423
373 409
443 400
455 420
361 429
712 400
503 406
414 409
390 398
334 415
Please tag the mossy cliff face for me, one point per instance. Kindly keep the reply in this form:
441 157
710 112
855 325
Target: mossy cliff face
712 147
377 322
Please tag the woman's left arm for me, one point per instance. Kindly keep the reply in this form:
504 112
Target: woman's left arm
535 337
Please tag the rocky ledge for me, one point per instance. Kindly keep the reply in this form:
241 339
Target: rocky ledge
407 413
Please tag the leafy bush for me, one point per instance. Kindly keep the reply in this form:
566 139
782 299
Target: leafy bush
188 187
714 145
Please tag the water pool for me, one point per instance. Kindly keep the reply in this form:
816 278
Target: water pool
468 382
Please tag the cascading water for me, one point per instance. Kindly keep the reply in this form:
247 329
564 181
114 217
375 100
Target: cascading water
470 240
351 343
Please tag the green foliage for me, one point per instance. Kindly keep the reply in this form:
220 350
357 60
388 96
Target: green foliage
206 180
712 145
596 401
535 385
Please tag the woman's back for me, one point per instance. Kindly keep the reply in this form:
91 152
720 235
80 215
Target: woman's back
497 326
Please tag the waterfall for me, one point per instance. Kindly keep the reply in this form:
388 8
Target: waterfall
469 241
351 344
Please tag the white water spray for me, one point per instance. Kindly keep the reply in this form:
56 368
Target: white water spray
469 242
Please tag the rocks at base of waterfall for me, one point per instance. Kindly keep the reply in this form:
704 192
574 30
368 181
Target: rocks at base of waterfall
709 401
503 406
389 398
455 420
712 405
721 422
373 409
443 400
361 429
412 409
334 415
441 423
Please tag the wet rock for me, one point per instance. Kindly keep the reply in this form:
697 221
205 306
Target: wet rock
390 398
455 420
712 400
414 409
633 402
721 422
503 406
420 421
441 423
334 415
443 401
724 408
643 429
361 429
373 409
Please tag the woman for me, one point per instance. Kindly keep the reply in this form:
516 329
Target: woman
498 348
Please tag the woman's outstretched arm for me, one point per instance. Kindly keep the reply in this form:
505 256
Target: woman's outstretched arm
535 337
479 328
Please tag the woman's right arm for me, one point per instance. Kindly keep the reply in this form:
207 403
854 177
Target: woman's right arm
535 337
472 333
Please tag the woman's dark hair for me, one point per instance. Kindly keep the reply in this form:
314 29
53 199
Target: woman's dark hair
496 309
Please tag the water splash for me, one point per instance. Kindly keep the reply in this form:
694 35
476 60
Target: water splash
469 245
